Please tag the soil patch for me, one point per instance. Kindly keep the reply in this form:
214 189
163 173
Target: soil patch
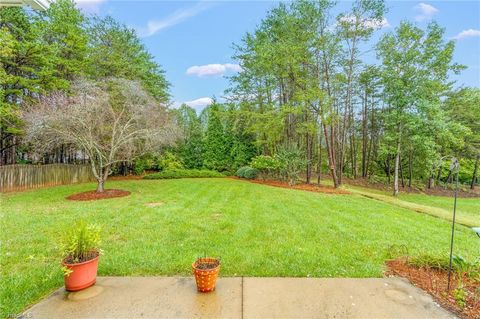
303 187
434 281
91 255
154 204
93 195
207 265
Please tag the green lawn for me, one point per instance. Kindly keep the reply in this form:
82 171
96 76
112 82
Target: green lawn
465 206
468 209
257 230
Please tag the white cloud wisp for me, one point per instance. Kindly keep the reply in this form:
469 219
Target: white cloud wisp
215 69
155 26
425 12
467 34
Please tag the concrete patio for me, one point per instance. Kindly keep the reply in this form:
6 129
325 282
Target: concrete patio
176 297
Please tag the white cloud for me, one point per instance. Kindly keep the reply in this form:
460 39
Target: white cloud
467 34
200 103
154 26
215 69
90 6
425 11
368 23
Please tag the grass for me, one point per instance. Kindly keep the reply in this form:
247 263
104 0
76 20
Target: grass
465 206
468 209
257 230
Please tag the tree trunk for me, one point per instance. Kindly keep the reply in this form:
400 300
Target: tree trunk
397 166
439 175
319 164
309 157
331 158
401 173
410 170
364 136
100 185
475 172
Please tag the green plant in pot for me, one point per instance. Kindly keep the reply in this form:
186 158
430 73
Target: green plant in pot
81 253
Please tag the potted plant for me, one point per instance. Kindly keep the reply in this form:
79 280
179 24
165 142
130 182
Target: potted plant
81 251
206 271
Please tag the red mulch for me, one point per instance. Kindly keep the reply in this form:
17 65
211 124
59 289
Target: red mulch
93 195
434 281
304 187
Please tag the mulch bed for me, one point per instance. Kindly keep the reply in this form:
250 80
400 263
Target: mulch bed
93 195
434 282
304 187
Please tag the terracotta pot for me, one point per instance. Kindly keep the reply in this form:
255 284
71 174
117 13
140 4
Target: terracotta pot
206 278
83 274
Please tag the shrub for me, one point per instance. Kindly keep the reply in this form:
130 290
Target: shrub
169 161
291 163
247 172
241 171
459 264
81 241
266 165
183 173
143 163
250 173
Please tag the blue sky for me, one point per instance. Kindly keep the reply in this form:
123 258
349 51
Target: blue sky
193 40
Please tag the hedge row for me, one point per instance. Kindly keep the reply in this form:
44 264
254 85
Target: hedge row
183 173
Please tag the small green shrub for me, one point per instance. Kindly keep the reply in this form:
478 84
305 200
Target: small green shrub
241 171
266 165
292 162
247 172
183 173
80 241
143 163
168 161
459 265
431 261
250 173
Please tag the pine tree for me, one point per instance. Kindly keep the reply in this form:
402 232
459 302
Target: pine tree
216 153
191 148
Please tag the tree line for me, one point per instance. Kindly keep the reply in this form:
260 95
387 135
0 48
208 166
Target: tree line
308 92
306 84
45 52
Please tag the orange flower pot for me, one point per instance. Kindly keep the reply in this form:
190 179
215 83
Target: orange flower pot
82 275
206 272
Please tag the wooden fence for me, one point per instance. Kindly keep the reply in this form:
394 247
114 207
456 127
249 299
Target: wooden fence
20 177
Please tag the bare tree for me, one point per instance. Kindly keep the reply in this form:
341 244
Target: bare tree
110 121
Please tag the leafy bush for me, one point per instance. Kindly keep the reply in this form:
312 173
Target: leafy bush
266 165
459 264
169 161
183 173
80 242
250 173
247 172
143 163
430 261
241 171
291 163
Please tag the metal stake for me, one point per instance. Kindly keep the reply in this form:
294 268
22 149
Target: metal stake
454 166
